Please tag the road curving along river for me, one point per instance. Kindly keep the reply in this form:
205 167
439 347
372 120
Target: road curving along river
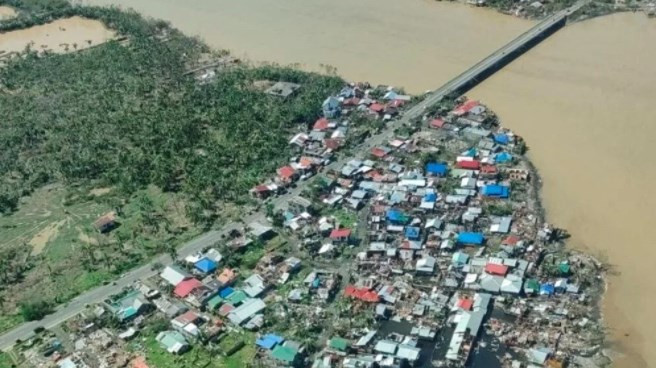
583 99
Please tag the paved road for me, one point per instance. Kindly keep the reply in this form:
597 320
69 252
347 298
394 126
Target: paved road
212 237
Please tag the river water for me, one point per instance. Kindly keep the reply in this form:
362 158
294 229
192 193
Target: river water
583 99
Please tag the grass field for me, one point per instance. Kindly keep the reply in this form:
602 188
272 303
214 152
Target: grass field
198 356
62 255
5 361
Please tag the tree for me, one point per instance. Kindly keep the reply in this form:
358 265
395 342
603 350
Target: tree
35 310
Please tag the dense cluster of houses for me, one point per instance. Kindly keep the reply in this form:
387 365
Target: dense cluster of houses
316 145
448 263
449 244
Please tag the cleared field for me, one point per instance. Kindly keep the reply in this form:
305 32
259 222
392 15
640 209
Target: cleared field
63 35
53 252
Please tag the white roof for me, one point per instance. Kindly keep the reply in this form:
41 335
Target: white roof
426 264
254 285
246 310
173 275
512 284
364 340
408 352
386 347
412 183
326 248
214 255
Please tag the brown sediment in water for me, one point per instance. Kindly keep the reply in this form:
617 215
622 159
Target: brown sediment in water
583 100
417 44
59 36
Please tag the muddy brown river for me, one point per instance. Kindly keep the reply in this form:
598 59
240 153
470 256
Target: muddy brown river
583 99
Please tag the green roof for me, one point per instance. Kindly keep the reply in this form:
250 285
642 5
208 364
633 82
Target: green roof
170 338
214 302
564 268
532 284
338 343
127 313
284 353
237 297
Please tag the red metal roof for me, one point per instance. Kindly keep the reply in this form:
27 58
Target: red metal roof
470 165
363 294
511 240
437 123
321 124
376 107
185 287
331 143
489 169
306 162
465 107
378 152
261 188
353 101
340 233
286 172
465 303
496 269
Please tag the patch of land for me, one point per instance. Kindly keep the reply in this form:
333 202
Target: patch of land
62 35
100 191
39 241
7 12
53 252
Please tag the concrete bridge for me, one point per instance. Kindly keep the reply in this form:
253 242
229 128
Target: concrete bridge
497 60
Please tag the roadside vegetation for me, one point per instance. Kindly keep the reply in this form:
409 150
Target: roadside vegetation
124 127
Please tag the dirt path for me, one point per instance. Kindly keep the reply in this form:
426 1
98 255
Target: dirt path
41 239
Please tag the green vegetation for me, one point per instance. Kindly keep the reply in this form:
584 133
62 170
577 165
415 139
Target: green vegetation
6 361
199 356
345 217
170 155
35 310
139 119
499 209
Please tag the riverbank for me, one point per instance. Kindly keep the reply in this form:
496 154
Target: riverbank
585 111
538 9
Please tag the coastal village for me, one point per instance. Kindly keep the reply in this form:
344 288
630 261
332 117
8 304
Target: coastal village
428 249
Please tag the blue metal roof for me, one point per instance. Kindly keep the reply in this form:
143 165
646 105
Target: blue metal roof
436 168
547 289
471 238
269 341
224 293
412 232
396 216
495 190
503 157
206 265
430 197
501 138
472 152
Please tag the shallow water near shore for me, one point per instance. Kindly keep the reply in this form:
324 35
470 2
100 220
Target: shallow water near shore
62 35
583 99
